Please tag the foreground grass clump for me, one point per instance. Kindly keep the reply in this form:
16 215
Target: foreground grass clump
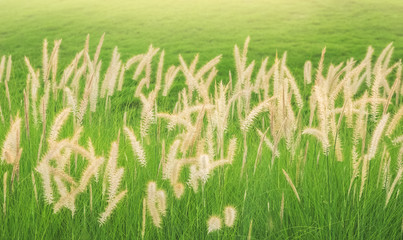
256 155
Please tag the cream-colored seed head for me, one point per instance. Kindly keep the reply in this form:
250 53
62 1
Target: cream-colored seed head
229 216
213 224
179 189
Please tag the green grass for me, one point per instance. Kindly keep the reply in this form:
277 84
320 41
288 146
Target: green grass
302 28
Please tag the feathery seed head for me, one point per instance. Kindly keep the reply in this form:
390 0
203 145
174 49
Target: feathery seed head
213 224
229 216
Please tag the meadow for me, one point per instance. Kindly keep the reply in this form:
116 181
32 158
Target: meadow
201 119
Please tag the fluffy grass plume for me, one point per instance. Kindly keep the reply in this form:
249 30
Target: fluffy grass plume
213 224
229 216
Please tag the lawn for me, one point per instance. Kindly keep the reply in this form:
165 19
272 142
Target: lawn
267 205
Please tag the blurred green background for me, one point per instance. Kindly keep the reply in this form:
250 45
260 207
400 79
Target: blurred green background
303 28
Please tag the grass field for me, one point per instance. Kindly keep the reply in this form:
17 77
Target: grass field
267 205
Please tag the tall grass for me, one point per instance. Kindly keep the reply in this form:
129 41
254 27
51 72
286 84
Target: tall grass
319 157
